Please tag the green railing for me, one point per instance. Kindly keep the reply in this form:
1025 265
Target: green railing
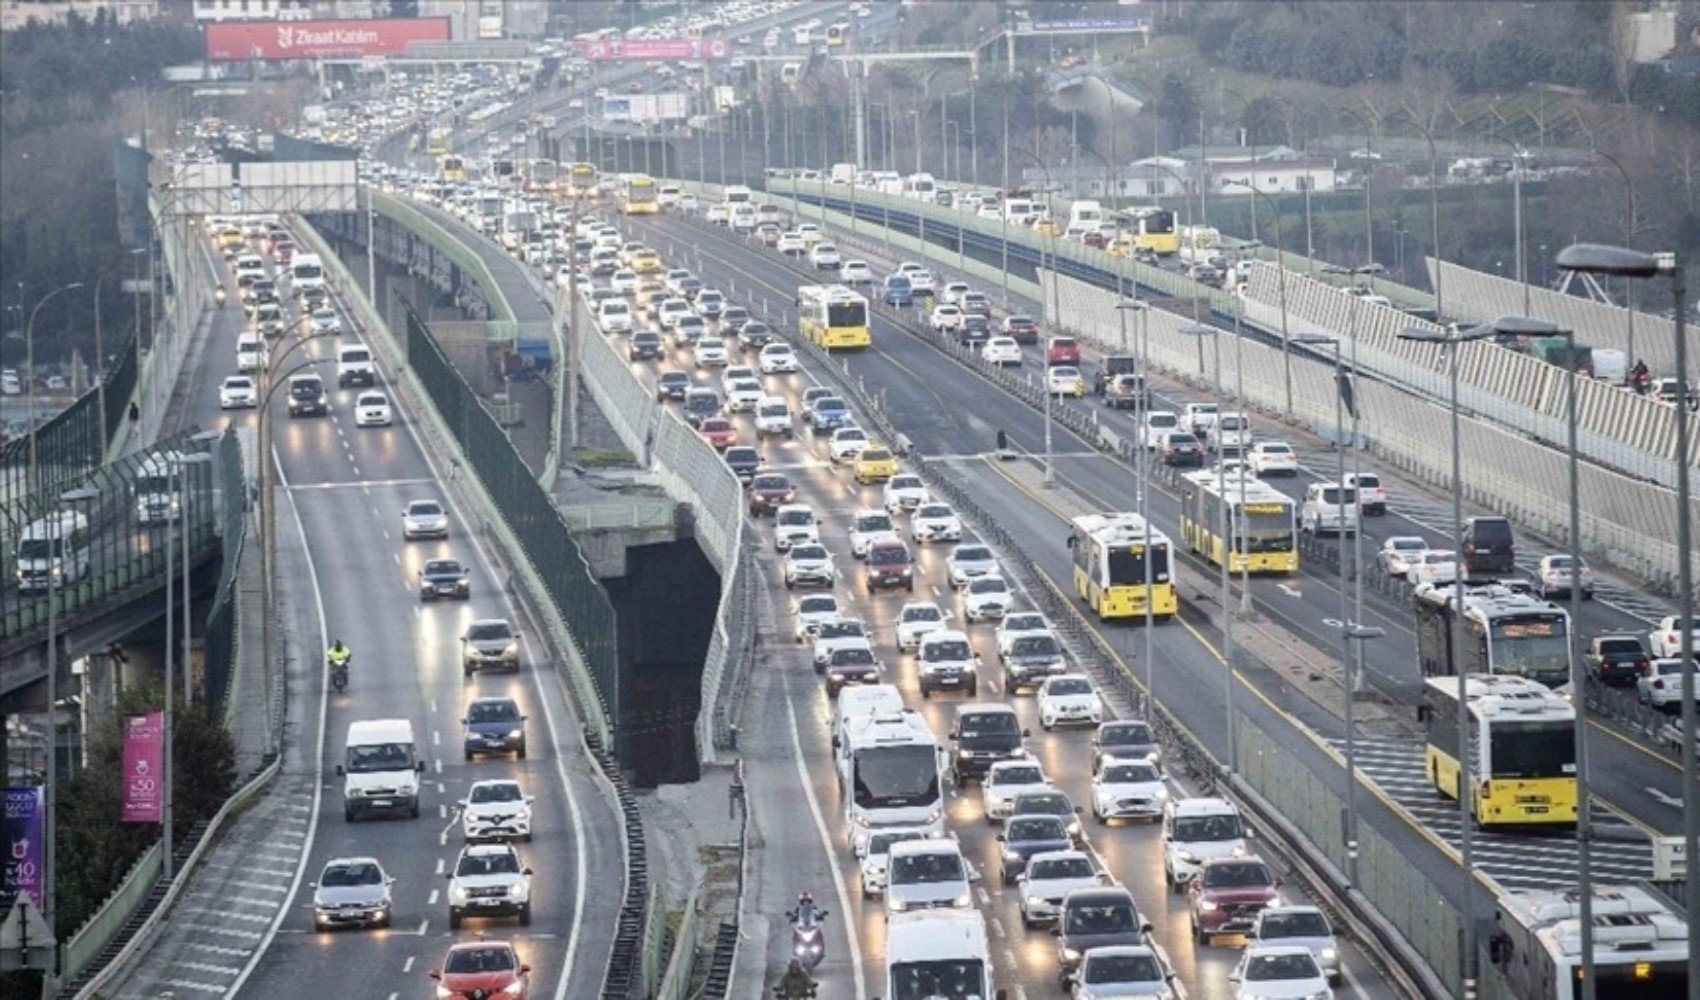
74 442
92 938
223 620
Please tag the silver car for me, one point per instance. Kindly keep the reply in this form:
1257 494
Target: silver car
490 642
927 874
1304 926
424 519
1048 878
352 892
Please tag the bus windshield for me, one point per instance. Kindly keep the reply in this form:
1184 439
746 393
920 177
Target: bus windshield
1267 532
846 314
895 777
1533 749
1536 648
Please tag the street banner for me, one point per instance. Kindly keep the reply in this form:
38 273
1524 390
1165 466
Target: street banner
144 767
21 836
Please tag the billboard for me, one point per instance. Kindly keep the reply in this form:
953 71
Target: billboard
144 767
617 49
20 836
345 39
645 109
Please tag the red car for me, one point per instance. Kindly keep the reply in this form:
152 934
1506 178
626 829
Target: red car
768 492
1021 329
480 969
718 431
1227 894
889 565
1062 351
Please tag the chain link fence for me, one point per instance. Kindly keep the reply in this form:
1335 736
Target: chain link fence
74 442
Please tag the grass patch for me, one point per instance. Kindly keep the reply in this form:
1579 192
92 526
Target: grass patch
598 458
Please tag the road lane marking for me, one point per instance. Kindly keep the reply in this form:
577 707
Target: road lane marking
831 855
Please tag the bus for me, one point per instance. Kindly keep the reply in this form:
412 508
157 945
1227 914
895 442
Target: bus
1640 943
833 317
1261 522
451 168
1111 573
1502 632
1523 744
542 176
581 181
837 35
437 142
639 195
1154 230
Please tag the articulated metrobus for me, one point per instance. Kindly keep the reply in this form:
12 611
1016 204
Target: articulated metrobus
1502 632
1522 739
1121 566
581 181
1260 523
833 316
639 195
1153 229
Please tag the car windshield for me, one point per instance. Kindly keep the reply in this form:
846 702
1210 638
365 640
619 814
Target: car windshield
1304 924
888 555
932 866
1239 875
1026 774
442 567
488 863
1115 968
848 434
843 629
1068 685
496 792
473 960
1411 544
372 757
802 552
736 455
1203 829
1126 734
1046 803
933 511
424 509
492 711
831 404
856 656
771 483
354 873
923 613
486 631
947 651
1297 965
796 517
1108 918
873 522
1034 645
988 585
906 483
1030 828
880 844
979 726
941 979
973 554
1132 772
1059 868
818 605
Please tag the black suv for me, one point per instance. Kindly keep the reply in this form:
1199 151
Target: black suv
1488 546
672 385
1617 660
974 331
644 344
307 397
984 735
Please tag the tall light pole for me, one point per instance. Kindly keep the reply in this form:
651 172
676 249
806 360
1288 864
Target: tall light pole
183 508
29 380
1056 305
1628 240
1593 258
1519 156
1450 340
1369 268
1141 404
1281 283
1199 330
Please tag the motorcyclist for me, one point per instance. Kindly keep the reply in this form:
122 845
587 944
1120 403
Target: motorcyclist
805 915
796 984
339 655
218 294
1640 377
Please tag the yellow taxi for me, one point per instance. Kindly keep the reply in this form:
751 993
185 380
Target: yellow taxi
1121 246
875 464
1047 227
646 262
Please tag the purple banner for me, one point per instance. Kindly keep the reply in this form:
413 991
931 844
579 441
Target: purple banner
144 742
20 831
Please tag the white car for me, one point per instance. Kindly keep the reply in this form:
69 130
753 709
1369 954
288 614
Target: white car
1299 926
917 619
494 810
773 416
776 358
1069 699
1048 877
795 524
1398 553
809 565
791 242
712 351
825 256
424 519
372 409
855 272
1269 972
237 392
810 611
325 321
624 281
1006 779
1270 458
920 279
873 854
1660 685
837 633
867 527
905 492
810 233
970 562
488 881
1432 566
668 312
614 316
1553 577
954 291
946 317
986 598
846 444
1065 380
1016 624
935 522
1115 972
1129 790
1665 640
743 395
1001 351
1159 424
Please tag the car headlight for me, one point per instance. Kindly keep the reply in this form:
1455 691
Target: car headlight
457 892
444 993
1160 794
514 734
1071 954
1330 956
1206 906
1034 902
899 905
511 650
934 816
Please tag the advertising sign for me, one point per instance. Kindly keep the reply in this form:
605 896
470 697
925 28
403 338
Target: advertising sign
347 39
144 762
620 50
20 836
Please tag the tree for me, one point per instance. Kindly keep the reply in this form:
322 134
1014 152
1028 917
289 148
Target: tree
1177 104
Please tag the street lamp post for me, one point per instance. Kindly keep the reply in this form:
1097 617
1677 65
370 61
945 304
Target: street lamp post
1519 156
1201 331
29 381
1628 239
1141 404
1593 258
184 509
1353 313
1281 282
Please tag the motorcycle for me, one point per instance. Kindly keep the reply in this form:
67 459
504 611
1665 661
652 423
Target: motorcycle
218 295
339 674
808 943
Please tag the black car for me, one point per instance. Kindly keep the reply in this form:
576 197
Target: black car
743 461
644 344
307 396
493 725
1617 660
1488 546
1096 918
672 385
851 665
755 335
444 578
974 331
1031 659
1050 803
1025 836
984 735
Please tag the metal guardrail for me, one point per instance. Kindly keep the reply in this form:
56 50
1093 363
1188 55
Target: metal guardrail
92 938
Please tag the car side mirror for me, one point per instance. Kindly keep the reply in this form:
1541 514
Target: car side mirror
437 973
999 838
389 880
463 721
312 885
1077 812
449 875
1146 927
525 871
1235 977
1025 733
524 717
529 799
419 766
954 737
1056 931
523 969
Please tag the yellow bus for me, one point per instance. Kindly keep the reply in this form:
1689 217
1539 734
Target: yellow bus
1154 230
1261 523
836 34
1112 573
638 195
1523 738
581 180
833 317
437 142
451 168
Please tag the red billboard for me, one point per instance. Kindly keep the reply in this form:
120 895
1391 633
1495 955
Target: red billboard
347 39
612 49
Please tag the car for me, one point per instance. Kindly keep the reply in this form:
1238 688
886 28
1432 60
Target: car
719 432
1025 837
855 664
1182 448
1065 380
352 892
1129 790
644 345
710 351
743 461
1062 351
1098 917
889 565
1397 553
669 311
480 969
925 874
1270 458
945 318
743 394
846 443
489 642
307 397
1227 894
896 290
614 316
920 279
1006 779
1001 351
974 331
710 304
671 385
790 242
424 519
1124 392
809 565
1372 496
444 578
1016 624
1049 802
1660 684
905 492
1031 659
855 272
829 413
825 257
1066 699
1020 328
946 660
1269 972
954 291
324 321
769 492
919 619
975 304
1298 926
776 359
970 562
811 612
488 880
795 524
1553 576
874 464
873 854
1124 740
1666 637
934 522
986 598
814 393
1617 660
1157 427
496 809
1048 878
238 392
833 634
493 725
1432 566
625 282
769 234
733 319
372 409
1121 971
690 286
866 527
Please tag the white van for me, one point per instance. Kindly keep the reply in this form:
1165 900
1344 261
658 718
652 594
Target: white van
1232 430
862 701
250 353
306 271
773 416
354 366
743 218
380 769
54 551
250 267
158 489
924 946
1329 507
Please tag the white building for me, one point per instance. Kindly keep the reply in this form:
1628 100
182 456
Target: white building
1235 170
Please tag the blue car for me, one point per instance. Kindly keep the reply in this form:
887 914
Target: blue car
828 414
898 291
493 725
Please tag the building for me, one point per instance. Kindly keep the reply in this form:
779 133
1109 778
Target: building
15 14
1235 170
